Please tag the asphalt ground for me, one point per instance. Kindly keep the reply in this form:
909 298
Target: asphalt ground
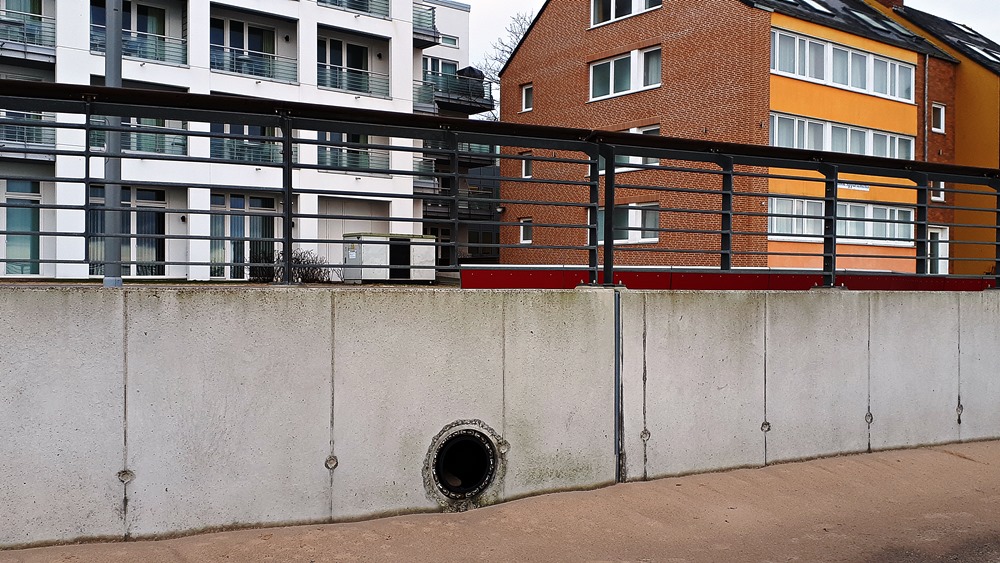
933 504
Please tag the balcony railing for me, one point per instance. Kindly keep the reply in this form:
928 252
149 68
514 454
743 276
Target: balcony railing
146 141
27 29
357 159
452 91
145 46
379 8
246 151
424 18
353 80
254 63
20 128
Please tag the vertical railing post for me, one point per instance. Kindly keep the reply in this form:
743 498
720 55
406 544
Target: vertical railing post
726 243
920 232
87 154
113 148
287 166
595 201
830 173
454 194
608 152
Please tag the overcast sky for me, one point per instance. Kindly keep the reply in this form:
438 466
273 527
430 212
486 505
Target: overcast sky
490 17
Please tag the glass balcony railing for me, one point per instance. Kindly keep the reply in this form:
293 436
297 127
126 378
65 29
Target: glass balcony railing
355 159
20 128
378 8
456 85
424 18
353 80
145 46
246 151
146 141
27 29
253 63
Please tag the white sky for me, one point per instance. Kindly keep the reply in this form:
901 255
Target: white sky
490 17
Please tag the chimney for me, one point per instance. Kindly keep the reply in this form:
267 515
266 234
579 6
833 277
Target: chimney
891 4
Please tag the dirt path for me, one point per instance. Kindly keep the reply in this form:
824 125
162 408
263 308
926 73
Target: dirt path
933 504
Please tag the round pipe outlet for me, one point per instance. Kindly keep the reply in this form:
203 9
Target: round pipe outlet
464 463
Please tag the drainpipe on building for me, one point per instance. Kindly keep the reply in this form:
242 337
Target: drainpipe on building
927 87
113 163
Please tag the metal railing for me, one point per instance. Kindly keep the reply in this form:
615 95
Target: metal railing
27 29
144 46
141 137
25 128
462 87
352 80
671 213
424 18
379 8
253 63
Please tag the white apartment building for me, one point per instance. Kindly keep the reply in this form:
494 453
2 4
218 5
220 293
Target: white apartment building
395 55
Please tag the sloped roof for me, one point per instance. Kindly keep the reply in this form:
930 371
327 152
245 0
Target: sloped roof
849 16
961 37
841 14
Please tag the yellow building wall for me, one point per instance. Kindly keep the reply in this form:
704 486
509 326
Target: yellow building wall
977 143
827 103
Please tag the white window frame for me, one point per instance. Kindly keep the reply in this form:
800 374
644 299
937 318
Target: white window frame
526 230
869 223
637 67
636 212
938 190
626 163
802 66
637 7
935 126
802 125
449 40
528 97
527 165
799 224
942 259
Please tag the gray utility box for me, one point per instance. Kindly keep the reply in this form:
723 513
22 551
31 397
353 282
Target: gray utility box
397 255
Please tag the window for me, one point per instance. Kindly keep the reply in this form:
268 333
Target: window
449 40
345 66
937 118
817 6
807 58
631 72
937 190
879 223
239 234
803 133
527 97
983 51
526 229
22 219
623 161
438 70
798 217
240 47
526 165
146 219
872 22
603 11
937 250
632 223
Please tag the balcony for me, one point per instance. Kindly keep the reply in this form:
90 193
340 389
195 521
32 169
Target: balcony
425 184
254 63
28 34
425 32
20 130
247 151
377 8
453 92
353 80
470 155
355 159
146 141
143 46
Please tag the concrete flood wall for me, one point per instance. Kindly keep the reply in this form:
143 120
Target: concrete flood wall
157 411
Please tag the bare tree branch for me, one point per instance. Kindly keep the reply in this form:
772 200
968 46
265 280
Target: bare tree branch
500 51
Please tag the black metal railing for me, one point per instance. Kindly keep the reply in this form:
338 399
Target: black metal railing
273 195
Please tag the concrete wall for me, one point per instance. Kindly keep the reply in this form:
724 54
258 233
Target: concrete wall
157 411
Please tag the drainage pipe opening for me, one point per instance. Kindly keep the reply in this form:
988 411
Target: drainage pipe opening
465 464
